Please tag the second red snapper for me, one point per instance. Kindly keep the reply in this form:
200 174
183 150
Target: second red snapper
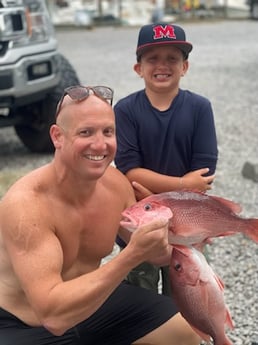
199 294
197 217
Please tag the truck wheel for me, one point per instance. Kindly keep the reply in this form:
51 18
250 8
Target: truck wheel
41 115
254 9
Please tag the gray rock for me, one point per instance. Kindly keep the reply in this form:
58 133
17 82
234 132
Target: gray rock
250 171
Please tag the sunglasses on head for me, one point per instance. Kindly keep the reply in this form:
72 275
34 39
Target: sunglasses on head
79 93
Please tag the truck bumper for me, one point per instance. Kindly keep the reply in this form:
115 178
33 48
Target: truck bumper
30 76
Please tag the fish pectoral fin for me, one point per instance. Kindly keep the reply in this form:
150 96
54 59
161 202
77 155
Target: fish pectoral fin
219 281
203 280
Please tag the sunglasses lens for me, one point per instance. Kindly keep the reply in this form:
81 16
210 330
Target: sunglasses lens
77 93
104 92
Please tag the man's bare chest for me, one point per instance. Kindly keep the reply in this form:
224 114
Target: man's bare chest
87 236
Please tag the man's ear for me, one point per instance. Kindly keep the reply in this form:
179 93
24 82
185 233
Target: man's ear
137 69
56 135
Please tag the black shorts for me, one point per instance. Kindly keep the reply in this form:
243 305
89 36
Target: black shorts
128 314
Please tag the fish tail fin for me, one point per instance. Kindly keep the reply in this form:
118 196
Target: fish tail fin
252 230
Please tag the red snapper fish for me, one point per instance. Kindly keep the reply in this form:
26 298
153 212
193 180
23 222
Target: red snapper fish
196 217
199 294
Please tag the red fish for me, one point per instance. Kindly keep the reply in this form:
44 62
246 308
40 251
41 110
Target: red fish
199 294
197 217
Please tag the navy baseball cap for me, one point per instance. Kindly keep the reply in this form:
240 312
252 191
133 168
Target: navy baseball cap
153 35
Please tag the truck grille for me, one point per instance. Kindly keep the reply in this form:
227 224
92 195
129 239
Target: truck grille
6 80
10 3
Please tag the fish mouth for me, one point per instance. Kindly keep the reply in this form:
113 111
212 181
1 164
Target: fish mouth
128 223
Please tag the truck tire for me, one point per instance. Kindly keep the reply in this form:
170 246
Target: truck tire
254 9
41 115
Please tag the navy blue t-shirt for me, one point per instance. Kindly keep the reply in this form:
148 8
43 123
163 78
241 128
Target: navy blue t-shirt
172 142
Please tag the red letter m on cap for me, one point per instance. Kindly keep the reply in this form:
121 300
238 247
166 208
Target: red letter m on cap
161 32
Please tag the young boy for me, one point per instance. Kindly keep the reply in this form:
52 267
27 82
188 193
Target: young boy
166 136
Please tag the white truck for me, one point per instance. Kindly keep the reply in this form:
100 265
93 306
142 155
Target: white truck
33 74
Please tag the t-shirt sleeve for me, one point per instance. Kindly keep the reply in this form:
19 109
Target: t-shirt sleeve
128 151
205 151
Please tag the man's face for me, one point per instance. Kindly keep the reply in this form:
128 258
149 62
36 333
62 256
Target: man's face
89 142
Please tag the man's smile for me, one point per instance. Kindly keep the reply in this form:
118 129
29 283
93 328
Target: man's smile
95 158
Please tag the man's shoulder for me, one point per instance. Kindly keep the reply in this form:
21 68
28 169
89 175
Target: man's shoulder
24 188
114 176
117 181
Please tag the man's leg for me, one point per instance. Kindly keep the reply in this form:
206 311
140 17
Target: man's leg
176 331
14 331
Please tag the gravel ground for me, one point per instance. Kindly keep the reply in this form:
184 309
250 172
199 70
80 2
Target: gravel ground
223 67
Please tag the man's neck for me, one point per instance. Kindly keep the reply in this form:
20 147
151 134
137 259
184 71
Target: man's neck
71 188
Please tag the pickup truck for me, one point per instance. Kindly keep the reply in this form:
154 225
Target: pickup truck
33 74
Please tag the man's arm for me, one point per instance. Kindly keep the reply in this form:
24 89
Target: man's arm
37 260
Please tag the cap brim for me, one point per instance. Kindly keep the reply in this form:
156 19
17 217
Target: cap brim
185 47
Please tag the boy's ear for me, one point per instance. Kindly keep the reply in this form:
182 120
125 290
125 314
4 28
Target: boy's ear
186 66
137 68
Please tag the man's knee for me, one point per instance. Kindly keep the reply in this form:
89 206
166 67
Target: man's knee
183 332
176 331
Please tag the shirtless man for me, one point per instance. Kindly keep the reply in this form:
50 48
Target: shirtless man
58 222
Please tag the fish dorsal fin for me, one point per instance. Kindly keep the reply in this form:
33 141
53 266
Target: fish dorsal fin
233 206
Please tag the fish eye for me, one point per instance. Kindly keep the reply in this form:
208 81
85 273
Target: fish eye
147 207
178 267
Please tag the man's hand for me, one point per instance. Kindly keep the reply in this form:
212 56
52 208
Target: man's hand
150 242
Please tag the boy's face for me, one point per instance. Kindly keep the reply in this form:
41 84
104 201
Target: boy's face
162 67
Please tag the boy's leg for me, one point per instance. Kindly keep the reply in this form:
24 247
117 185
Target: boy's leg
145 275
166 285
